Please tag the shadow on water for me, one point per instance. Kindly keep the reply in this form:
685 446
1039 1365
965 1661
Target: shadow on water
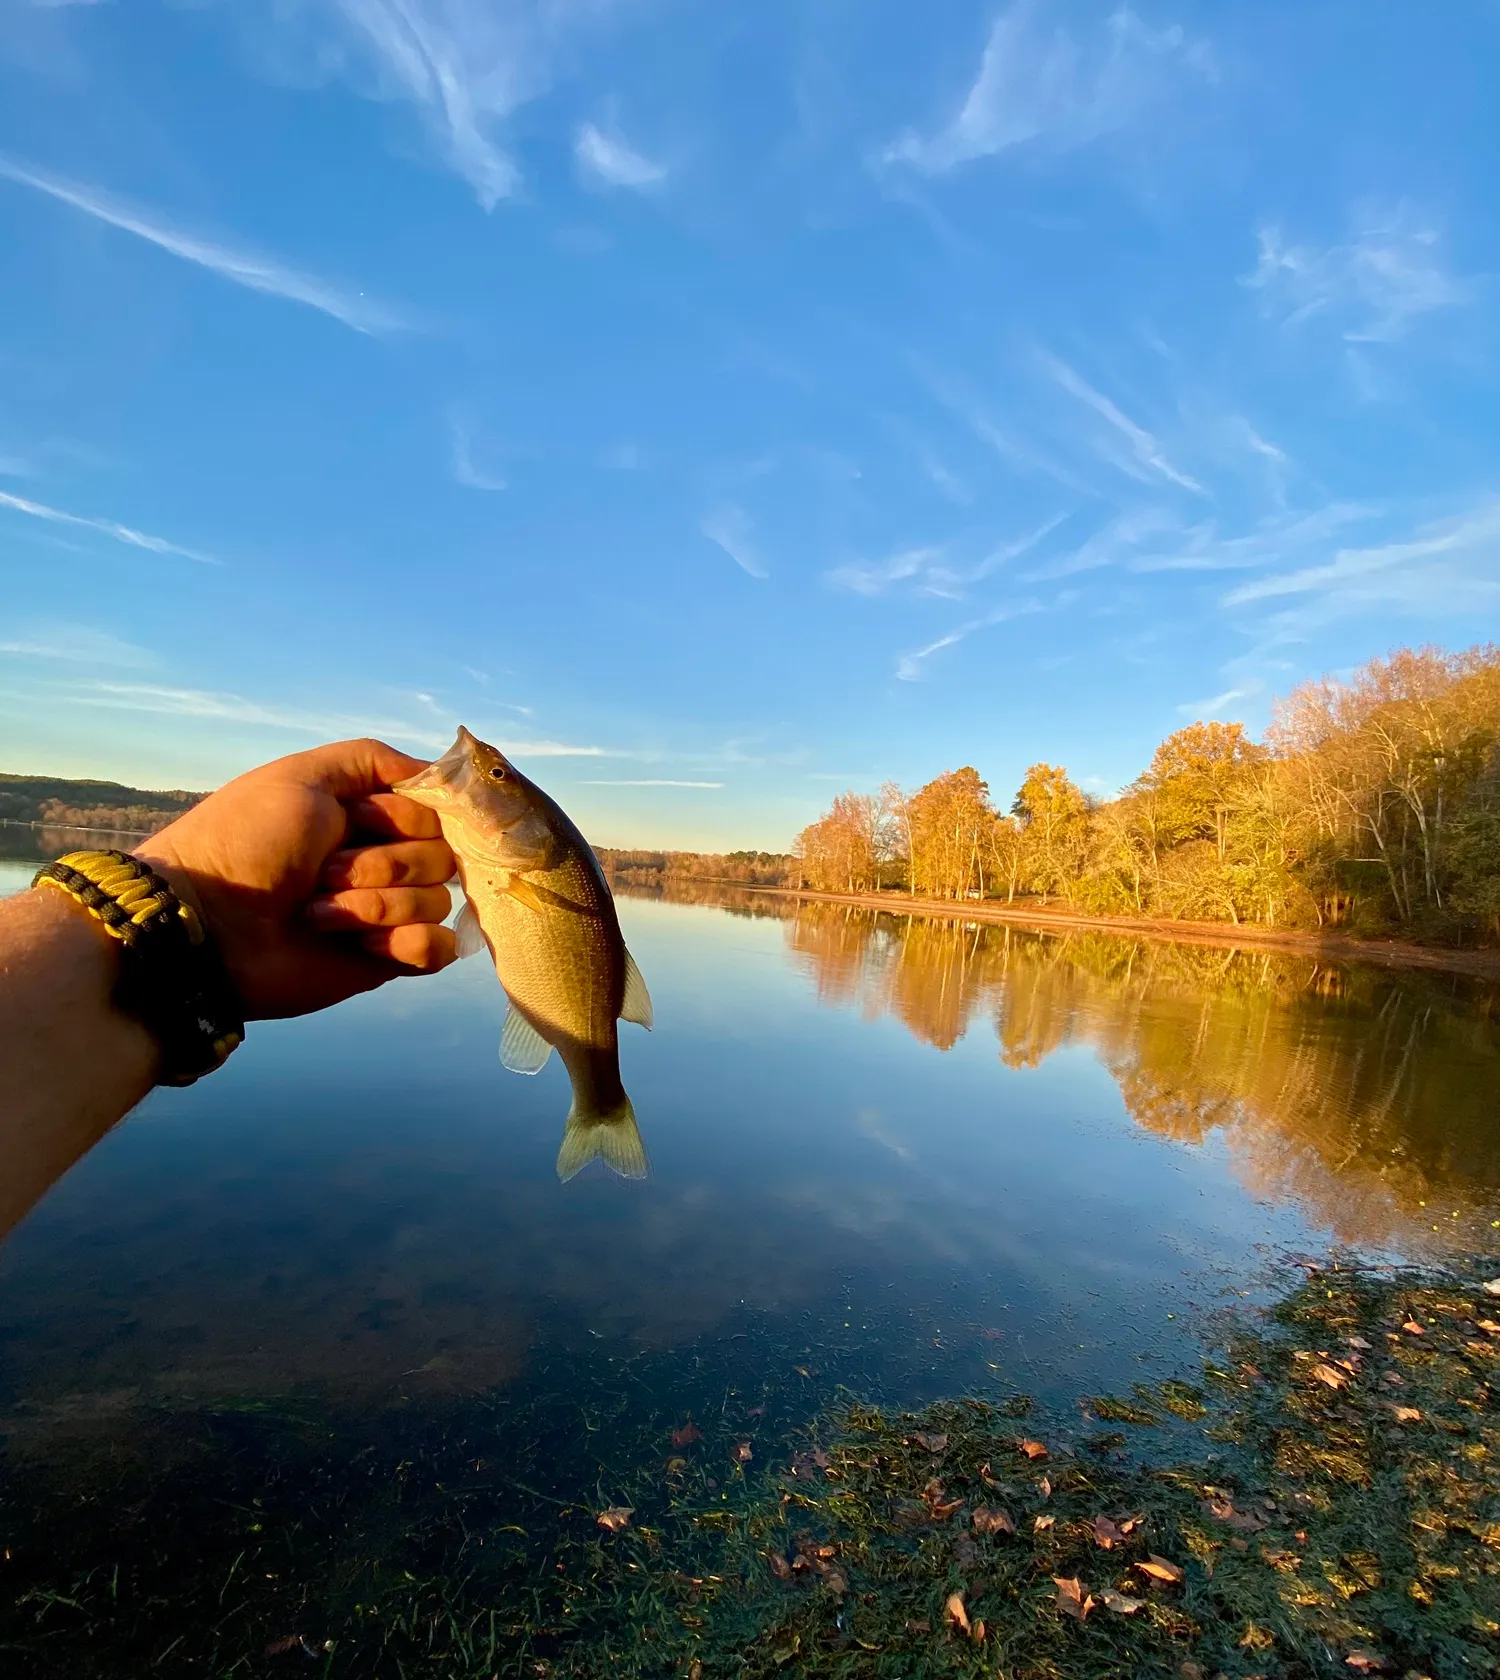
326 1322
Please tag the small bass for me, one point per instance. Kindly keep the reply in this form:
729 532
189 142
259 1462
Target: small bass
536 896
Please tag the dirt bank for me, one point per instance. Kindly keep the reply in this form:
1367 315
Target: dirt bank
1335 947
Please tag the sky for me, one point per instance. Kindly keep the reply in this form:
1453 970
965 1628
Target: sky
721 404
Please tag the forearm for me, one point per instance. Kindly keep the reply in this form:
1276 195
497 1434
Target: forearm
71 1065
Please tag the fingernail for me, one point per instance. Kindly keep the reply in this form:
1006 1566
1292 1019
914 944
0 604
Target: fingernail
324 911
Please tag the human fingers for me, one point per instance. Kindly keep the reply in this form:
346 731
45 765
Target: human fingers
355 769
391 816
419 947
379 907
402 863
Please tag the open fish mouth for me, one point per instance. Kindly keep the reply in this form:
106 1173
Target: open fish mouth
439 781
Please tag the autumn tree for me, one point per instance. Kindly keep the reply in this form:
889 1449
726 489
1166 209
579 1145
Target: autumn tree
1054 816
950 822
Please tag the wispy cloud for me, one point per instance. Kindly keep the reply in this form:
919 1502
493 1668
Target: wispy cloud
1206 547
651 781
877 578
461 462
106 527
1112 544
1146 457
931 571
75 644
729 527
1212 707
909 665
237 708
609 159
1372 287
465 66
1448 566
245 268
1039 84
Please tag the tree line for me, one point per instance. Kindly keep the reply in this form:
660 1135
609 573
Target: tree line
62 802
1372 805
656 869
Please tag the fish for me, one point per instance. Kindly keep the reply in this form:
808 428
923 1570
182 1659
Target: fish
536 898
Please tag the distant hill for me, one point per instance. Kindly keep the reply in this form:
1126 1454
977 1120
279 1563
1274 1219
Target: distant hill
66 803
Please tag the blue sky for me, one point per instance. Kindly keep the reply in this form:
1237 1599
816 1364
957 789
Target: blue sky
721 404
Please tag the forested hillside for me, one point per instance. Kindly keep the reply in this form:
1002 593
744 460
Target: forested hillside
61 802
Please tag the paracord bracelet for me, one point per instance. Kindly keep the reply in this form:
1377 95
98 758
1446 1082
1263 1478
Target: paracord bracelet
171 976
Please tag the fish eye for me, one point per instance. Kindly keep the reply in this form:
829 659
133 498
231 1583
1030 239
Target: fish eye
497 772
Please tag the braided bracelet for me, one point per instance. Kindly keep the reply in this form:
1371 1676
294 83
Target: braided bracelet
171 976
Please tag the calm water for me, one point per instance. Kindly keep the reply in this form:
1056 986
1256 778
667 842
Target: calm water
904 1156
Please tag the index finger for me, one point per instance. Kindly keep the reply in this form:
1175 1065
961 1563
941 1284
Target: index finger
390 816
353 769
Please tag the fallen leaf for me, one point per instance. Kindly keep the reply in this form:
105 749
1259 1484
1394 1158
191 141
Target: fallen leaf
965 1556
988 1479
1106 1534
990 1519
1412 1328
835 1582
976 1633
1366 1662
919 1627
1406 1414
685 1436
1044 1487
615 1518
780 1568
1120 1603
1039 1523
280 1647
1358 1342
1159 1568
1394 1378
1331 1375
675 1466
933 1443
1489 1326
742 1453
1072 1597
1492 1287
955 1612
1190 1671
1223 1510
1033 1449
695 1670
1128 1525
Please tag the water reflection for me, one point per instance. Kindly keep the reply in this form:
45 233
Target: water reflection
1366 1097
875 1137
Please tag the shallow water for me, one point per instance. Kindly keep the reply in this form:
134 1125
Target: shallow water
908 1157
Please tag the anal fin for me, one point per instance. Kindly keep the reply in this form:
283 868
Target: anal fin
522 1047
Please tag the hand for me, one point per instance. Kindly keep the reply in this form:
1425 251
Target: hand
315 881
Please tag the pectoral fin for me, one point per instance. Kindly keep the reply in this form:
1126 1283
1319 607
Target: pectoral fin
522 1047
468 933
523 892
637 1004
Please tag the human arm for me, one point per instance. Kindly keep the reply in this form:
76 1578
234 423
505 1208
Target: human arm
314 882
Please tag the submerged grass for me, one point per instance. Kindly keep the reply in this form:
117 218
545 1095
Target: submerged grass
1325 1500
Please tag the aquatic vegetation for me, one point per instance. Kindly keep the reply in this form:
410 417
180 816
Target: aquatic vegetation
1325 1501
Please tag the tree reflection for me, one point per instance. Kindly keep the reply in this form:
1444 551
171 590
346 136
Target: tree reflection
1367 1097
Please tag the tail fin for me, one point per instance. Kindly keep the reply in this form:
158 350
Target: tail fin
613 1138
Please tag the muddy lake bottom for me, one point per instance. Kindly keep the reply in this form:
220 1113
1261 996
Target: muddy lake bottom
315 1367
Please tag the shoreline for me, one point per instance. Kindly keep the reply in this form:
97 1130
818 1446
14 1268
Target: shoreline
1384 953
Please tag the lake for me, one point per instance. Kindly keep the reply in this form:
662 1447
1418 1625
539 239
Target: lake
891 1156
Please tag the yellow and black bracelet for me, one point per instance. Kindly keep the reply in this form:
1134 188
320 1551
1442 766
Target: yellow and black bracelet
171 976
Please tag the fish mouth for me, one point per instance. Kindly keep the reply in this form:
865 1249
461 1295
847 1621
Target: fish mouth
438 783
